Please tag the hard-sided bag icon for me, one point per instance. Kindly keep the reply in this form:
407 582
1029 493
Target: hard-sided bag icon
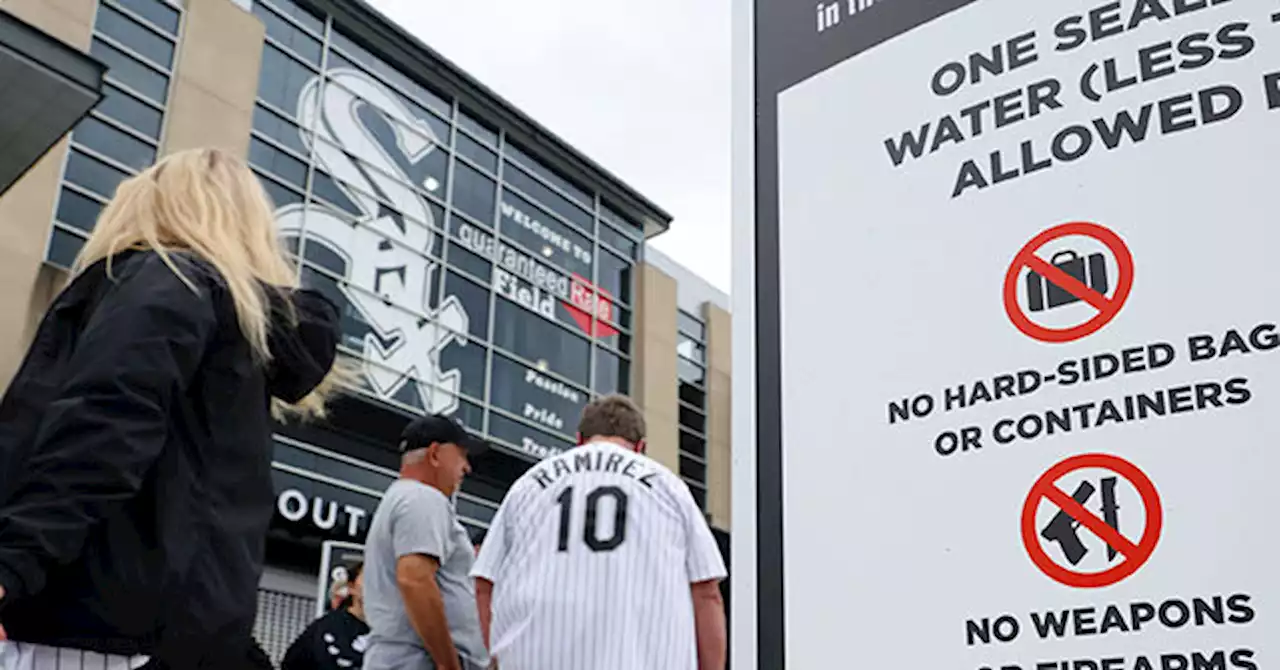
1091 271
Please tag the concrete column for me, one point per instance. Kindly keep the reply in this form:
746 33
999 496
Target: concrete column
26 210
719 409
68 20
216 80
656 388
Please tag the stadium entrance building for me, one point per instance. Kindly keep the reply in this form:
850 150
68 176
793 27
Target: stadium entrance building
486 268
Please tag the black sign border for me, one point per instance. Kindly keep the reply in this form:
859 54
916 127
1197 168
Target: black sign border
788 50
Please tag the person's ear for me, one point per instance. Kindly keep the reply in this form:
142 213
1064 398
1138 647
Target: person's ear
641 446
433 453
579 436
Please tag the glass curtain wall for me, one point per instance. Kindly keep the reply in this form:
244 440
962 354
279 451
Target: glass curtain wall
476 280
138 40
691 361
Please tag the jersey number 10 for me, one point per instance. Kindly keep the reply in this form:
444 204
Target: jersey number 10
589 534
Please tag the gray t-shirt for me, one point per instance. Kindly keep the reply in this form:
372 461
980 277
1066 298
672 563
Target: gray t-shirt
414 518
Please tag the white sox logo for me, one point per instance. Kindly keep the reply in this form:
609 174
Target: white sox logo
381 253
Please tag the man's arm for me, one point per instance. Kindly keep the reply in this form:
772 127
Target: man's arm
493 553
709 624
705 568
416 577
484 603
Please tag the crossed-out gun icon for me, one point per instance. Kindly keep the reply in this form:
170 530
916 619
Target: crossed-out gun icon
1063 528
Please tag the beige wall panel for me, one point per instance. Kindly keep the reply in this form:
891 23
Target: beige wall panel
26 210
719 419
68 20
26 213
655 382
719 338
216 80
197 119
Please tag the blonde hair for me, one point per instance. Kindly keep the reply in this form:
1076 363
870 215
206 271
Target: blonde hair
208 203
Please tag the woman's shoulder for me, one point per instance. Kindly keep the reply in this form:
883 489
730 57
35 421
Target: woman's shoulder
176 277
152 265
182 282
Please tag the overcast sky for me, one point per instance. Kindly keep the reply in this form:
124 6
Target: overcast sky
640 86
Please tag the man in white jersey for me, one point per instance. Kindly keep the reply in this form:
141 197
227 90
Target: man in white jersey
599 558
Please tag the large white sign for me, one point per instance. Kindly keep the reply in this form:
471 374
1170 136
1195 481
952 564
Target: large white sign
1015 336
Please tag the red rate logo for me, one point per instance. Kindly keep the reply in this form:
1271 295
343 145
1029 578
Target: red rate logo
591 308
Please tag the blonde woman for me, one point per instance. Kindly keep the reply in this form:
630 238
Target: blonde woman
135 452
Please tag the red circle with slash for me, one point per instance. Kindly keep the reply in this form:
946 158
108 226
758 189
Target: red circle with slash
1107 307
1135 554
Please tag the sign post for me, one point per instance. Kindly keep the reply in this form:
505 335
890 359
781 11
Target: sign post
336 560
1005 336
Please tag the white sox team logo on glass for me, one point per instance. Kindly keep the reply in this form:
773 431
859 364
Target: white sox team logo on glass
383 252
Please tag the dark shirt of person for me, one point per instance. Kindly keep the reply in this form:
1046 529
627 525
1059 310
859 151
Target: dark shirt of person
335 641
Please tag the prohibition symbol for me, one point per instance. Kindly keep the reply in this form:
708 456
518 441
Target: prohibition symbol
1053 283
1061 531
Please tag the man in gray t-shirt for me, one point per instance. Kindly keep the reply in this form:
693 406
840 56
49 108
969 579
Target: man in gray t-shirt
419 597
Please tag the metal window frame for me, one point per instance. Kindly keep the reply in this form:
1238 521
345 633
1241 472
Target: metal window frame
272 5
551 432
134 93
555 190
386 80
129 52
398 49
101 158
290 51
146 25
461 132
365 465
144 21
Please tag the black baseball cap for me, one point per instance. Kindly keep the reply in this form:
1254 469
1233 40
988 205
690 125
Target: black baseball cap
422 431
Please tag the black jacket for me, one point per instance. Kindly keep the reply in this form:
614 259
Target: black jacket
254 659
335 641
135 463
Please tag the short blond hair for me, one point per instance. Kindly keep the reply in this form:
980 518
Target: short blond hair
612 415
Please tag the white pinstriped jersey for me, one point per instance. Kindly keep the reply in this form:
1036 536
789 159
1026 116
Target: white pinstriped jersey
26 656
592 554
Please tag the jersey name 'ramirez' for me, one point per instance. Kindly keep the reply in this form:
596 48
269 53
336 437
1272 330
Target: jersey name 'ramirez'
576 462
